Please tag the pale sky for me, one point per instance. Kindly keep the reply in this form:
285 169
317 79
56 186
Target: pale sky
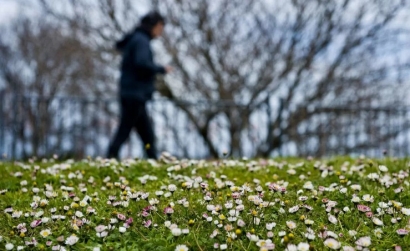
8 10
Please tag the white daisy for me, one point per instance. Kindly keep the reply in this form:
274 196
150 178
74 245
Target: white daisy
383 169
9 246
303 246
73 239
364 241
377 221
45 233
181 248
332 219
368 198
405 211
332 243
176 231
291 224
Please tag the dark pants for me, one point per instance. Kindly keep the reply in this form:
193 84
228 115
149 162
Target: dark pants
133 115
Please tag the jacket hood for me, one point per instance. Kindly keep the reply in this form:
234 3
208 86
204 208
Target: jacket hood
121 44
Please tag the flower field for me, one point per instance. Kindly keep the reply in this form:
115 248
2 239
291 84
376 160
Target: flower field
267 204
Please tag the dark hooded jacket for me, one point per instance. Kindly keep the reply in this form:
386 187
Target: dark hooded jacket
138 69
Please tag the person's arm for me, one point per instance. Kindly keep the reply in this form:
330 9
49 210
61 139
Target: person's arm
142 58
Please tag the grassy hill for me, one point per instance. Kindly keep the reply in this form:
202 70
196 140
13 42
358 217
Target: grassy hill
292 204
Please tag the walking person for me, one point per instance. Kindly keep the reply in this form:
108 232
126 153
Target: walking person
138 72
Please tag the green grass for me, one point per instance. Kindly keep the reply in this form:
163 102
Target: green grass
216 176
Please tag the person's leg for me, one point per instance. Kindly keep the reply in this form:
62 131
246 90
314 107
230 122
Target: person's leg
127 122
146 132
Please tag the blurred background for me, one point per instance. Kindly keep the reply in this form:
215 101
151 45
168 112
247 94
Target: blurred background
253 78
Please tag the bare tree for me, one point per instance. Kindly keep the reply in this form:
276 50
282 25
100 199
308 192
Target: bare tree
302 52
40 62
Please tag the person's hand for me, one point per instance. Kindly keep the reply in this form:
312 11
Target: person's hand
168 69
